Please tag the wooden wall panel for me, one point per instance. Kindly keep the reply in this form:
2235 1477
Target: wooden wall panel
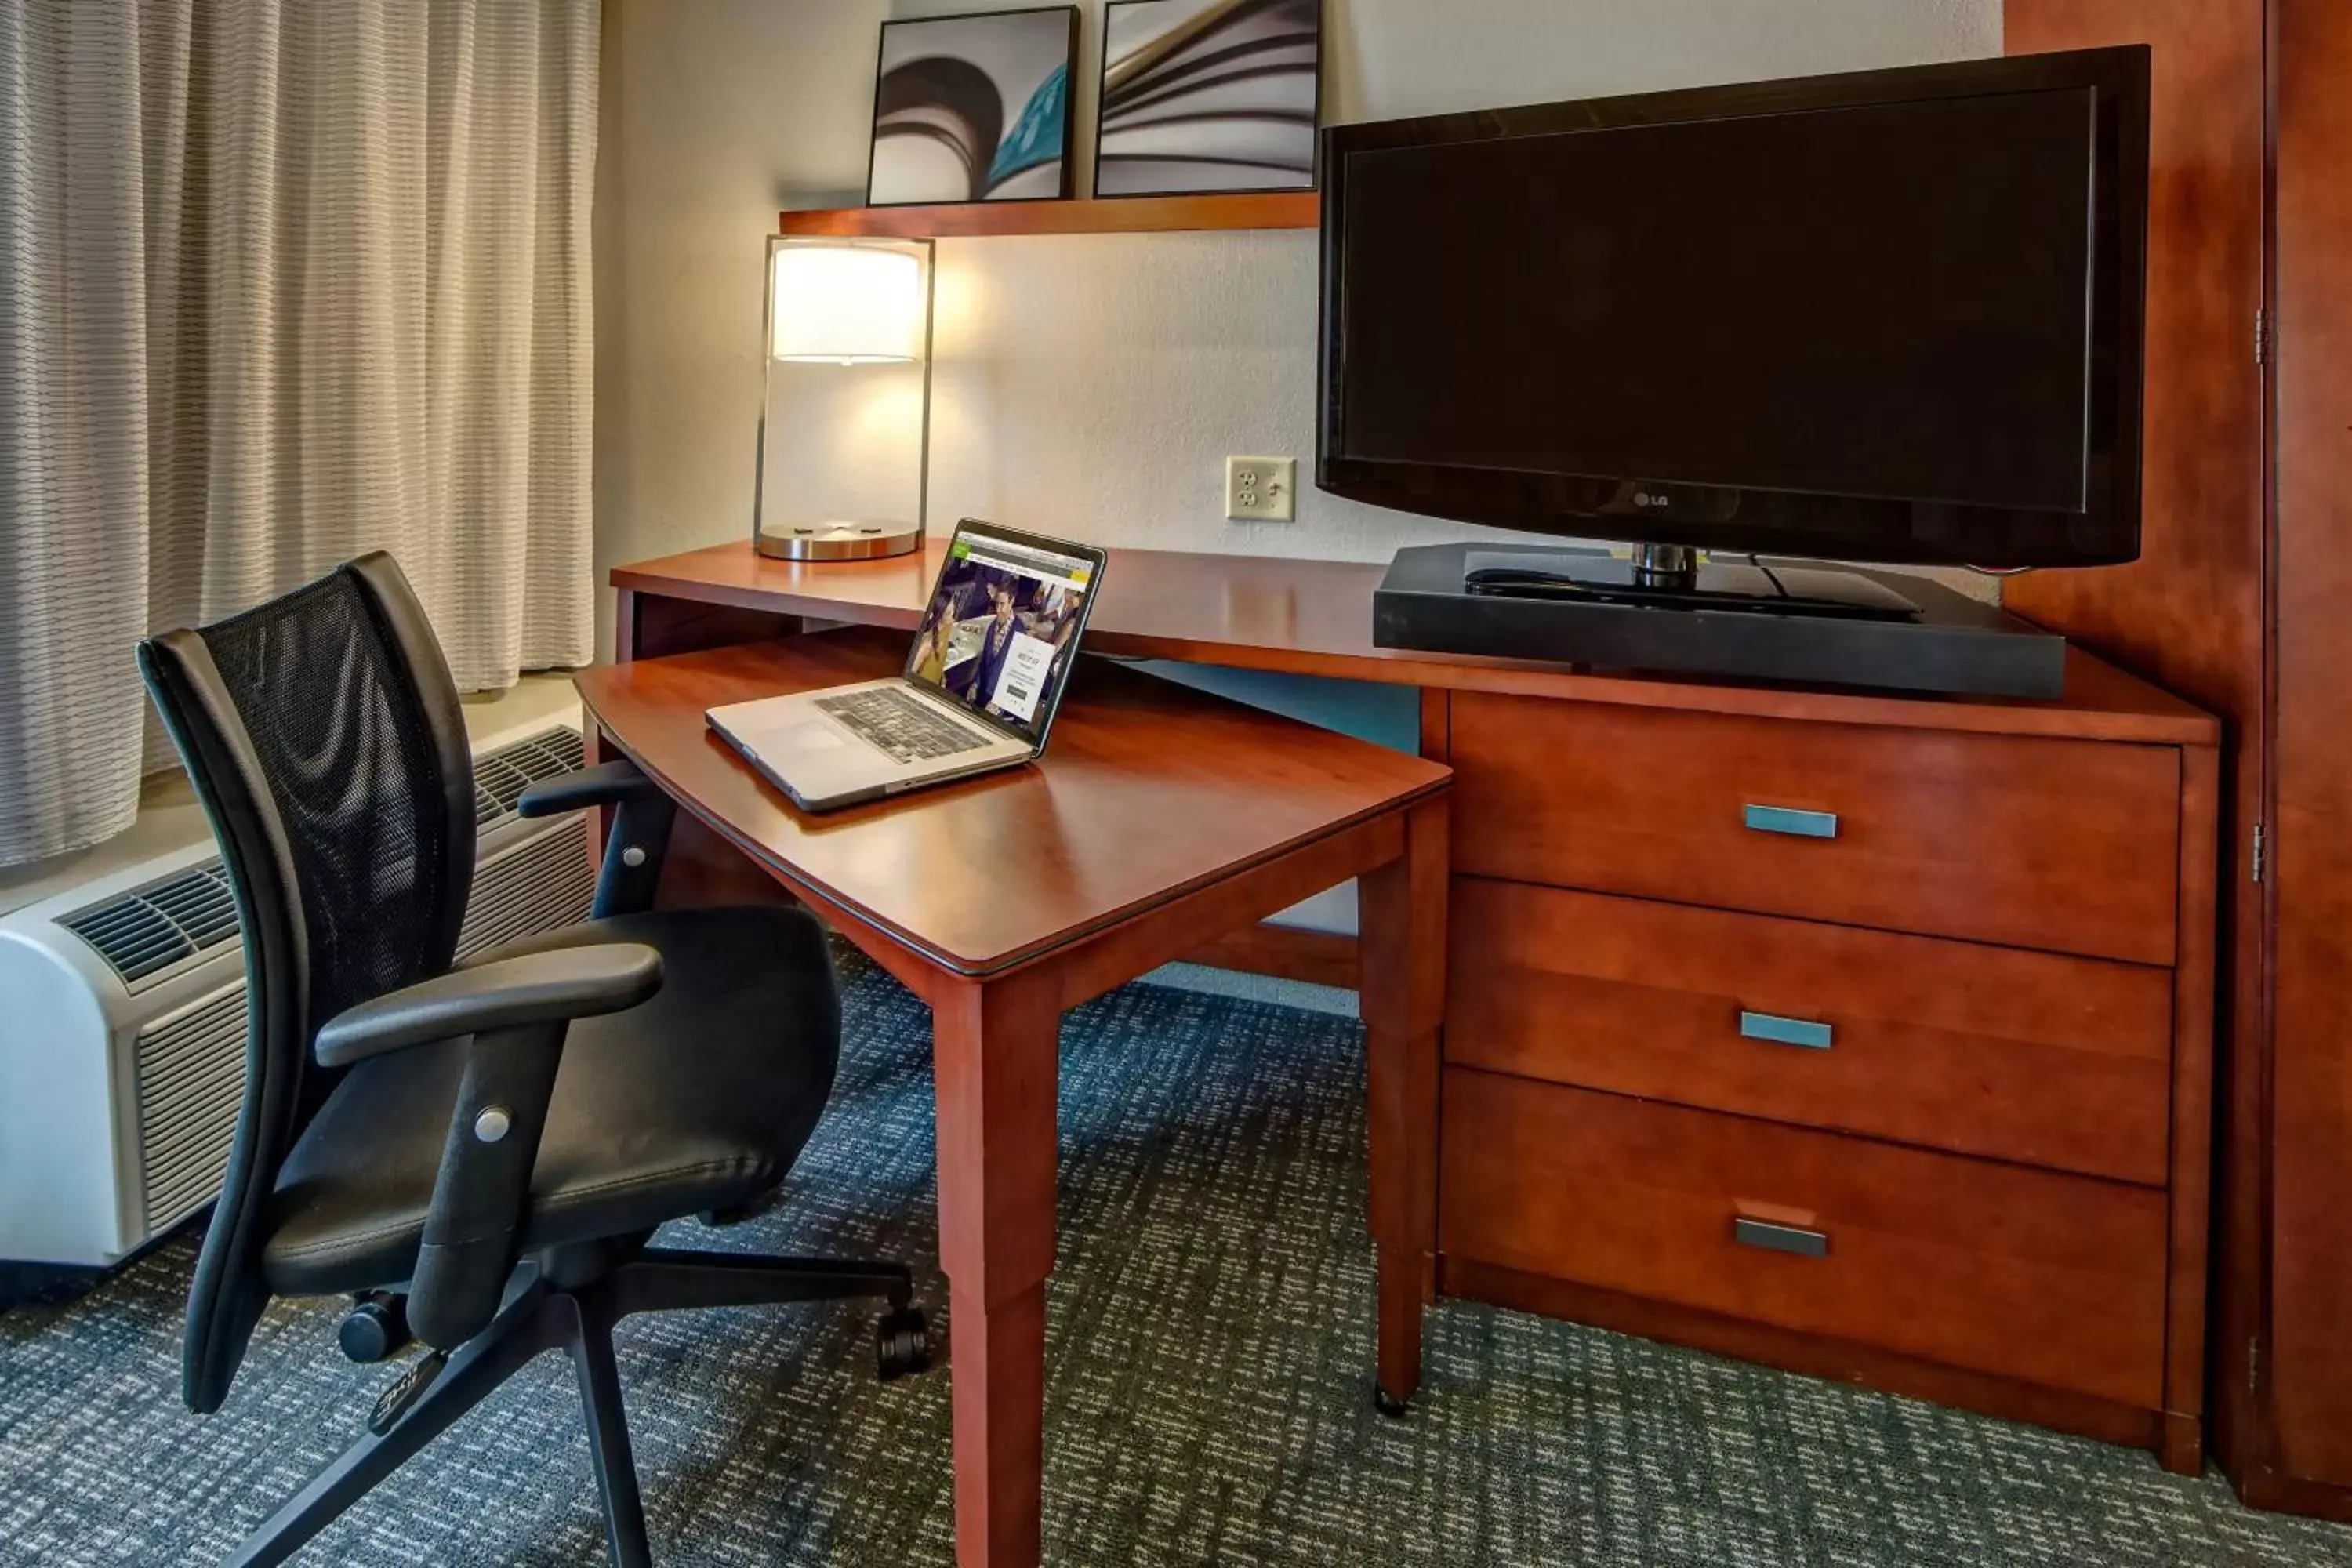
2191 612
2311 1283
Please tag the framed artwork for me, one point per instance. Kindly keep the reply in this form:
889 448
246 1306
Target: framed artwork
1202 97
974 109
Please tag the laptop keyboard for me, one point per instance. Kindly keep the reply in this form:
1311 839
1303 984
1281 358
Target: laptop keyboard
906 727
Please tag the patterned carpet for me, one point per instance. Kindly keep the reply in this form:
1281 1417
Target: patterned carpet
1210 1343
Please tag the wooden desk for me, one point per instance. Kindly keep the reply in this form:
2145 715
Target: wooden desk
1954 1045
1160 820
1314 617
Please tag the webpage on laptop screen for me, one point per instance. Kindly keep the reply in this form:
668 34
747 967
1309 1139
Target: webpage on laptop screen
999 631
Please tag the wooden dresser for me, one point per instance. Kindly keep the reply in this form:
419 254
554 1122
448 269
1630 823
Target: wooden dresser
1878 1049
1862 1035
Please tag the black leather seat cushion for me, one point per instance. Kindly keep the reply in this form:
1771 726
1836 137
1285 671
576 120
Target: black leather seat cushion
700 1098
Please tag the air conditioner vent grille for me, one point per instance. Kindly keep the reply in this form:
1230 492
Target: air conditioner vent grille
190 1072
149 929
541 884
501 776
152 928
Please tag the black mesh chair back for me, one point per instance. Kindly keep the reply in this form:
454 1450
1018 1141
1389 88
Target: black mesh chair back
324 738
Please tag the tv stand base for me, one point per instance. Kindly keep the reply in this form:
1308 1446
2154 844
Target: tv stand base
1785 622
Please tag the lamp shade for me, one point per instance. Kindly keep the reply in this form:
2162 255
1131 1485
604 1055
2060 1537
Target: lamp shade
847 304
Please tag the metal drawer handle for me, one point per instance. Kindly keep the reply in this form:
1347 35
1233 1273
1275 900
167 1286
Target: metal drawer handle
1778 1031
1780 1238
1794 824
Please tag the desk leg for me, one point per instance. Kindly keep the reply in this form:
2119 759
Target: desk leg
1403 997
994 1070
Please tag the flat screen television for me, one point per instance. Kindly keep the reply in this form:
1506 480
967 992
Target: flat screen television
1893 316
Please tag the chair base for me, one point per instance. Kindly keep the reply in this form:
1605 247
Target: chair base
538 1317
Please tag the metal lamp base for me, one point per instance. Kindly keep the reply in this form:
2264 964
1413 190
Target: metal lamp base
840 541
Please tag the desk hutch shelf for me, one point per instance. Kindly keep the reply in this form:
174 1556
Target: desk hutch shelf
1130 215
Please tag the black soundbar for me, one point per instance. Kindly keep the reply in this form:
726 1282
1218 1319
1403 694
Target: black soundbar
1547 609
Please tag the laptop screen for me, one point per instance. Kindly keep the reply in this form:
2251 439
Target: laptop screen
1002 627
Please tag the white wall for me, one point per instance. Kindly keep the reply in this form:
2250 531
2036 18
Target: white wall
1091 387
714 114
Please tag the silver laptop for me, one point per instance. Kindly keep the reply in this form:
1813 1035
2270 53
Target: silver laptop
980 690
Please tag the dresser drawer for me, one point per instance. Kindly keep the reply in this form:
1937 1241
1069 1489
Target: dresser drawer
2054 1279
2064 845
2029 1056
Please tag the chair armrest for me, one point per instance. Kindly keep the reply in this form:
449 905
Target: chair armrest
607 783
502 994
630 870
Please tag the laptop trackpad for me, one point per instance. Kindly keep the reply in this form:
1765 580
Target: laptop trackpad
803 740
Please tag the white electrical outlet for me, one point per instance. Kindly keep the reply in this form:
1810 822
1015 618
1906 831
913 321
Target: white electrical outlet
1261 490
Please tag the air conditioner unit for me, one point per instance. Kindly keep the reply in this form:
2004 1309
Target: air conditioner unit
122 1021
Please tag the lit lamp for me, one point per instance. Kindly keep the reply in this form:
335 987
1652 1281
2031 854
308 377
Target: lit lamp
845 435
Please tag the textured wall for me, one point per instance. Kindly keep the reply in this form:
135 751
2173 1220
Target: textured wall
1092 386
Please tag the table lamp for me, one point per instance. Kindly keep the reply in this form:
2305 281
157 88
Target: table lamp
845 433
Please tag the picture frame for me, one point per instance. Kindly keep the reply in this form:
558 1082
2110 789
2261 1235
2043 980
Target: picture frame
974 108
1209 98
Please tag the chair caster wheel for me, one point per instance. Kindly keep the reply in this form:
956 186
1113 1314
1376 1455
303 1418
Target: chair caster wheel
903 1344
376 1328
1388 1404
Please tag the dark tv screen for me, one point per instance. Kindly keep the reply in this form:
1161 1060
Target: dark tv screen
1896 329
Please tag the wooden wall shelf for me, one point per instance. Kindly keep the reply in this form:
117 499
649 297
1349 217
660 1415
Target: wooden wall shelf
1130 215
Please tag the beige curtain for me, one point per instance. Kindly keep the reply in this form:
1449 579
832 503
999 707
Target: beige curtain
281 282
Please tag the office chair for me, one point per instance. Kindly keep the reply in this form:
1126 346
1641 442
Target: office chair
483 1149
